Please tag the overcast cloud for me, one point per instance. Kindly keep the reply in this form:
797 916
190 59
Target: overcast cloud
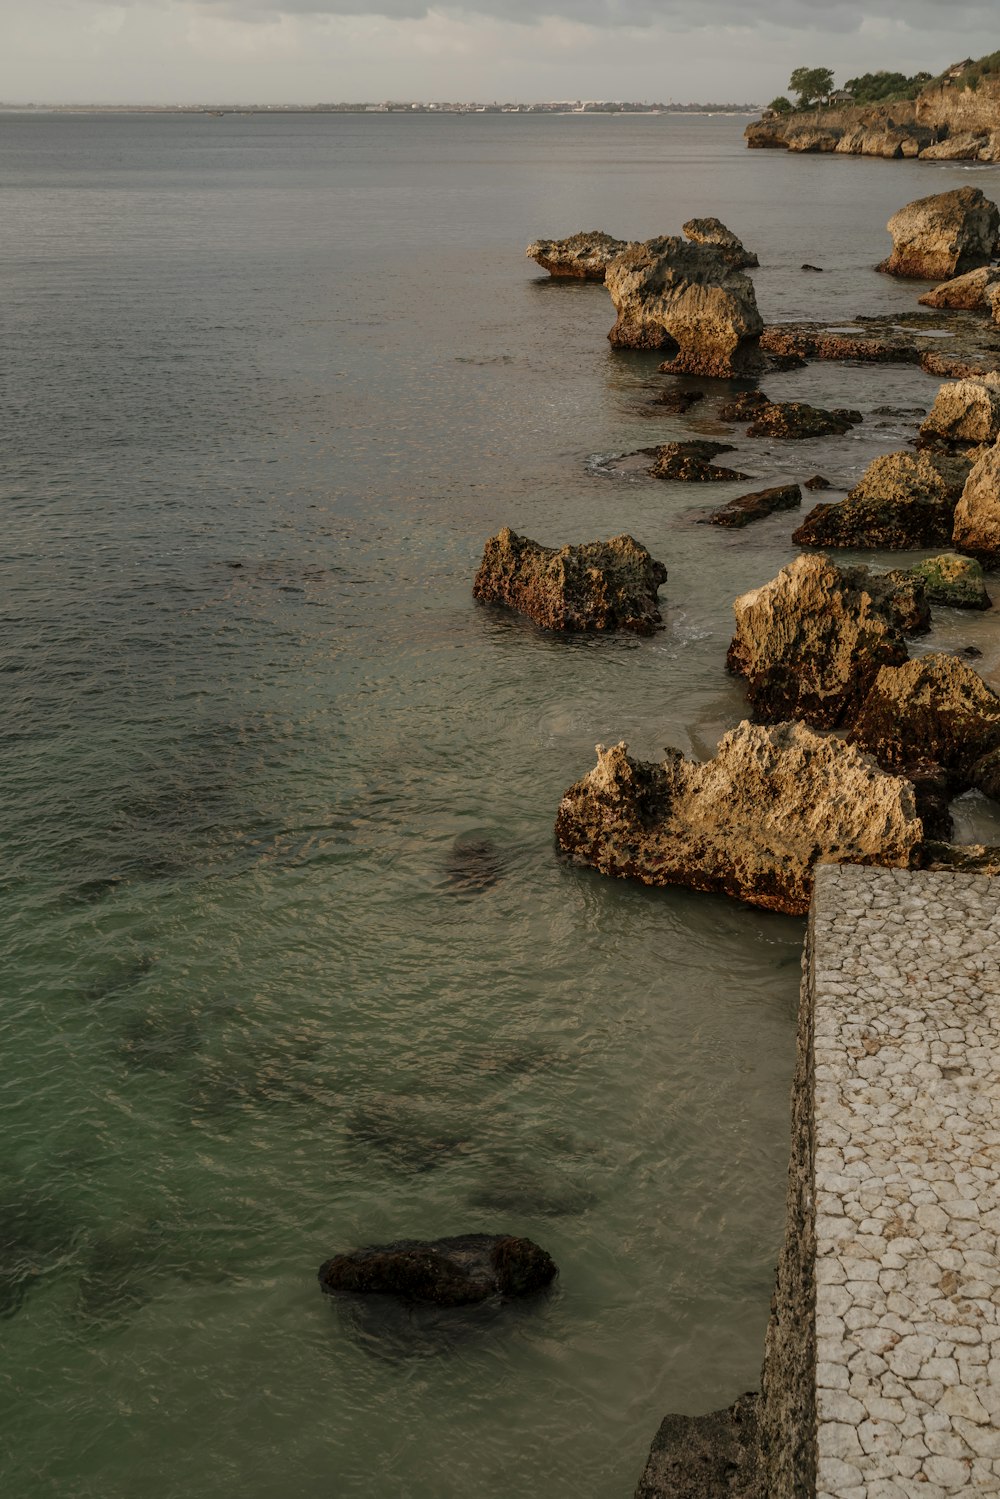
302 51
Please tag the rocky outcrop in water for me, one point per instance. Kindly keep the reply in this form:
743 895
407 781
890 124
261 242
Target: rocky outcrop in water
796 420
750 507
448 1272
956 582
714 232
685 298
811 641
691 462
972 292
943 236
706 1457
965 412
751 823
581 257
933 709
903 500
977 514
600 585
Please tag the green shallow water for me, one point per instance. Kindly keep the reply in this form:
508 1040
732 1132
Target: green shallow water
273 383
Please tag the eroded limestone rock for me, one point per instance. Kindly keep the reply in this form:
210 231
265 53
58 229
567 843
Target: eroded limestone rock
448 1272
691 462
972 292
795 420
903 500
954 581
751 823
750 507
943 236
671 294
811 641
600 585
965 412
582 257
714 232
977 514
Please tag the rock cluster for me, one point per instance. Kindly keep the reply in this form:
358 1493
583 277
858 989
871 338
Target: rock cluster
685 298
942 236
581 257
751 823
456 1271
600 585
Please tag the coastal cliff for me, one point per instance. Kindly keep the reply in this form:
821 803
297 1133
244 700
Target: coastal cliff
950 119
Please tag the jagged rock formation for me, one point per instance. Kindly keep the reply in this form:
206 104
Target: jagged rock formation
943 236
706 1457
457 1271
685 298
965 412
811 641
902 500
714 232
691 462
582 257
934 709
977 514
600 585
751 823
956 582
795 420
750 507
972 292
884 139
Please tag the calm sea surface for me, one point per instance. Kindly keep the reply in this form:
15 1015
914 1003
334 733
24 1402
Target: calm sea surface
269 385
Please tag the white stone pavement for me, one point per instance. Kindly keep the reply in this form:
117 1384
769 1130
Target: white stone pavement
907 1116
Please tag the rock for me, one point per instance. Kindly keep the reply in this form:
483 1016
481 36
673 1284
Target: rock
474 864
961 858
811 140
583 257
965 146
794 420
943 236
714 232
601 585
447 1272
954 581
934 708
875 140
903 500
950 367
682 297
751 823
977 514
750 507
965 412
971 292
679 401
743 407
811 641
706 1457
808 341
807 267
690 462
817 482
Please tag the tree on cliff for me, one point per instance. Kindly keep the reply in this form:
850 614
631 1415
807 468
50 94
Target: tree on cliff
811 84
780 105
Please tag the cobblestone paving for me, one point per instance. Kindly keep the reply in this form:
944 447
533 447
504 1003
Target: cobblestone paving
907 1113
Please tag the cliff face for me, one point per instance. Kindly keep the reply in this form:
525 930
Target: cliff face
945 121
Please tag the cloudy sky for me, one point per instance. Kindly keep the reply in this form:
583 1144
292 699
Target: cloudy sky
303 51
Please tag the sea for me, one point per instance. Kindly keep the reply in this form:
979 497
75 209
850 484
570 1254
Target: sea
291 962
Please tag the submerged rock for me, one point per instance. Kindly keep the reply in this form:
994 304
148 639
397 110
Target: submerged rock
691 462
706 1457
936 709
965 412
745 406
474 864
972 292
685 298
977 514
448 1272
677 400
954 581
811 641
943 236
600 585
817 482
751 823
902 500
750 507
714 232
803 341
582 257
797 419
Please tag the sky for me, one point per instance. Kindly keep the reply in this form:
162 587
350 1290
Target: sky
312 51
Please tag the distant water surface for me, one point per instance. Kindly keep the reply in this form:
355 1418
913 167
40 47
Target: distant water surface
292 964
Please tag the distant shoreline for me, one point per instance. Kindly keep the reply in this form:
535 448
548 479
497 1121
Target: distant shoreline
739 111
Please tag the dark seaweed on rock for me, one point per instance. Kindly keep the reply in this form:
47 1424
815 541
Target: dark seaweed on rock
448 1272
